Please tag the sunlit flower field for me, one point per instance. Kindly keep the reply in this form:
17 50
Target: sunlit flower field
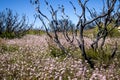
29 58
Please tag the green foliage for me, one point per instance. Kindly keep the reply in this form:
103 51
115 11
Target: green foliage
111 32
56 52
63 24
9 48
7 35
100 57
66 74
36 32
11 26
89 33
74 52
114 33
11 35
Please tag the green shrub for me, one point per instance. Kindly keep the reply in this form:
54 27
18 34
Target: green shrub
74 52
114 33
100 57
7 35
36 32
11 26
111 33
56 52
9 48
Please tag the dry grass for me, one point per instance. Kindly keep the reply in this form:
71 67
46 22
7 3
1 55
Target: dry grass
2 41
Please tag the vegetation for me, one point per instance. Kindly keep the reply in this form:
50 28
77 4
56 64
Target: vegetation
68 51
102 20
9 48
60 28
111 32
11 26
35 32
33 63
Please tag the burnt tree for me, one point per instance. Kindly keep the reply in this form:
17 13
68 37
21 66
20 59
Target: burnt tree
106 16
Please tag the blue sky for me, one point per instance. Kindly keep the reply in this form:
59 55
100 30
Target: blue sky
24 7
20 6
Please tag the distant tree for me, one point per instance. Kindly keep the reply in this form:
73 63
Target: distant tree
106 17
63 24
11 26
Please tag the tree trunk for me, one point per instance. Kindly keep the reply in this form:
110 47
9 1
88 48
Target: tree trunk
82 47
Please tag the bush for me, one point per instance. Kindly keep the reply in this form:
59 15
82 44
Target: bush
111 33
35 32
56 52
100 57
63 25
114 33
9 48
11 26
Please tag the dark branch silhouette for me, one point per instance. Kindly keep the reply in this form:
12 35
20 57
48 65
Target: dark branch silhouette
101 20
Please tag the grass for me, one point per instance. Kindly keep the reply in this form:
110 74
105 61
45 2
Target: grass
35 32
89 33
9 48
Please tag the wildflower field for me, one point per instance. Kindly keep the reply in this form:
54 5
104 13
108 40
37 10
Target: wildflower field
30 58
